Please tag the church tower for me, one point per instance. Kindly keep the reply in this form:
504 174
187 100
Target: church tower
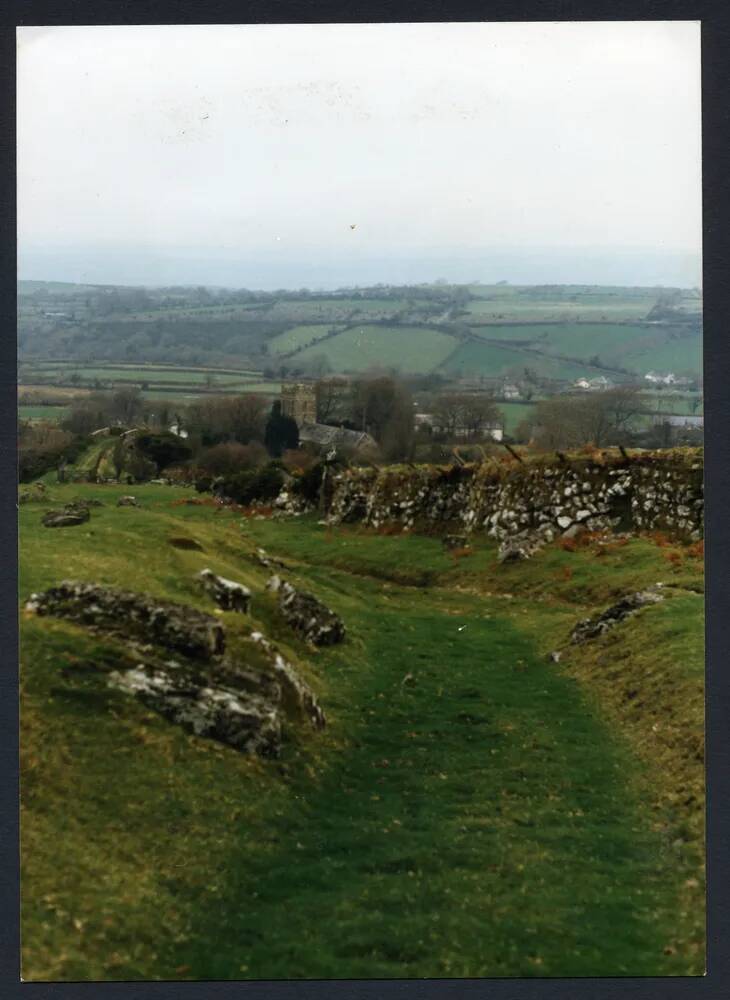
299 401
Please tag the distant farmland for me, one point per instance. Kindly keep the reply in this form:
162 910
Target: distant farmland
409 348
298 338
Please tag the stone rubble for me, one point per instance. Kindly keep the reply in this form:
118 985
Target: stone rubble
306 614
228 594
132 615
591 628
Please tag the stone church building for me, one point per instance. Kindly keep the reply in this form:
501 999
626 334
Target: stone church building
299 401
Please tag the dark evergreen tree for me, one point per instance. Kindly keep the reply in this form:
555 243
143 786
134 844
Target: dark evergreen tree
281 432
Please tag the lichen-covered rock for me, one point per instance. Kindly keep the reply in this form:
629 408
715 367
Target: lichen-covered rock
127 501
647 491
66 518
228 594
516 548
244 721
306 614
590 628
296 697
241 698
140 616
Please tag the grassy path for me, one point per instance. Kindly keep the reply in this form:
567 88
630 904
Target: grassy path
467 811
478 824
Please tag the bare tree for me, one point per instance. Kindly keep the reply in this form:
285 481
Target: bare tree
332 402
601 419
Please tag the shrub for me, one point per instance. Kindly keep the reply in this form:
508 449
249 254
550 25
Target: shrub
298 460
163 449
250 485
309 483
231 457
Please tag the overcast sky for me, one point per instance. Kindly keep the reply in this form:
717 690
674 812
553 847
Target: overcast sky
272 155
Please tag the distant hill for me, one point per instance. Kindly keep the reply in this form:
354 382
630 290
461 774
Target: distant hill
557 331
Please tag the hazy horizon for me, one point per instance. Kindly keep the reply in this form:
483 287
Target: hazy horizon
533 266
276 156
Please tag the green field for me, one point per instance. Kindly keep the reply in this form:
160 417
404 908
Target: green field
52 413
331 310
296 338
589 308
470 810
638 348
408 348
144 373
474 359
681 355
514 413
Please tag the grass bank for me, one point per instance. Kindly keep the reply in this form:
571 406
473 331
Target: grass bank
470 810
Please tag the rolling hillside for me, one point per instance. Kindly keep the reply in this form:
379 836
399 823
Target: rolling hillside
568 330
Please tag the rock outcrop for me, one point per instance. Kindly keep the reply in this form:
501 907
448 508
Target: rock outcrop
306 614
228 594
240 698
591 628
68 517
175 626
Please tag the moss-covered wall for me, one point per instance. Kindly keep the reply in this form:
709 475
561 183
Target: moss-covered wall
644 491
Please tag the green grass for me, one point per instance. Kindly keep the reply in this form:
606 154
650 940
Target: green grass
514 413
53 413
529 309
470 809
474 358
333 310
410 348
297 337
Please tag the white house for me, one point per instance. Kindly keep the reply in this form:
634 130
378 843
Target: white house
656 379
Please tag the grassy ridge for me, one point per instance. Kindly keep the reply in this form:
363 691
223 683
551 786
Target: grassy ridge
468 810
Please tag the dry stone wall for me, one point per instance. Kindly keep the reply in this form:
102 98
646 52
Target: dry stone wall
647 491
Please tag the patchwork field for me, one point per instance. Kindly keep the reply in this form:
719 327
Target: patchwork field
298 337
409 348
471 809
237 329
474 358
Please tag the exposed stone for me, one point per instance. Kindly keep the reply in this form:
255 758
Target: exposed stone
127 501
66 518
139 616
590 628
240 699
182 542
509 502
227 594
245 722
306 614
